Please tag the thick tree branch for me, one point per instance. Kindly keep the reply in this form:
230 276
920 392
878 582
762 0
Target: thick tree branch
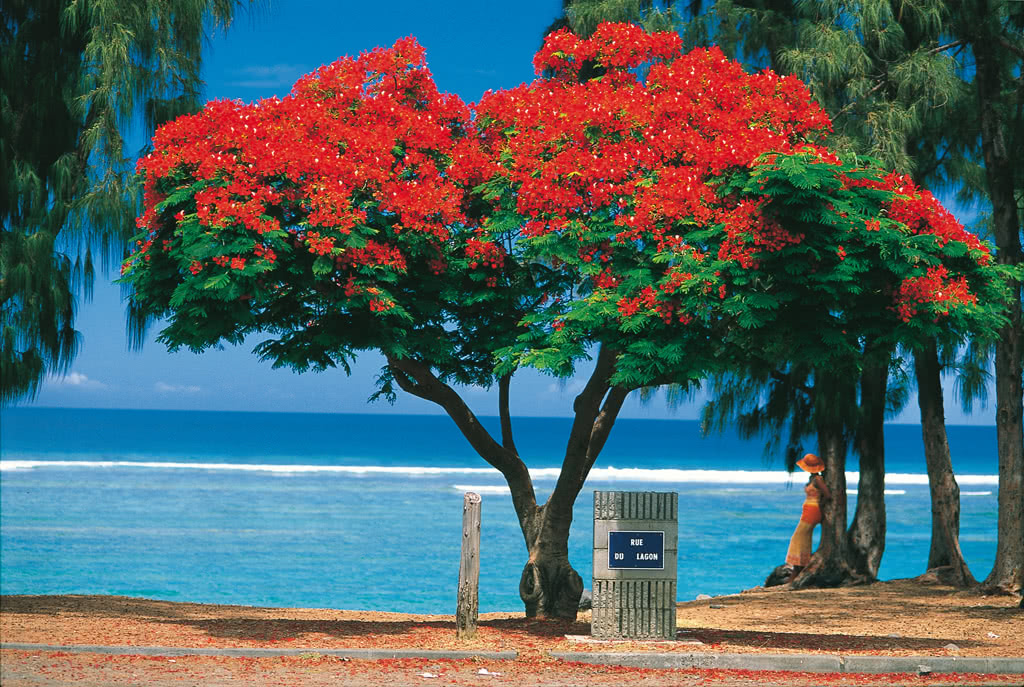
603 426
600 429
588 402
587 406
408 384
416 378
503 412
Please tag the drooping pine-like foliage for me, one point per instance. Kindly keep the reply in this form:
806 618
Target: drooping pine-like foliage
74 76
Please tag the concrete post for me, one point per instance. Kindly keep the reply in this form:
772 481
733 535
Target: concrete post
636 542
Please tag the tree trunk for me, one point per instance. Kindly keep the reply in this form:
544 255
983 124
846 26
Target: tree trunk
945 548
549 586
1001 170
866 537
1007 574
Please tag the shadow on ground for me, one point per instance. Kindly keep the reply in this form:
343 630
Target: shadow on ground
238 623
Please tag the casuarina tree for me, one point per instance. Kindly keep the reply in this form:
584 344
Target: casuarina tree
634 231
74 77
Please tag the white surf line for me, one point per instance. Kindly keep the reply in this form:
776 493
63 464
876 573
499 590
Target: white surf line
482 488
244 467
604 474
887 492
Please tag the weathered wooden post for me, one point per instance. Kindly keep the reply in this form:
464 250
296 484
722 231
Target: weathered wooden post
468 606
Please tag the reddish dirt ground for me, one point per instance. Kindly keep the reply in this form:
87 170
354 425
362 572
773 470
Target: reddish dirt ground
898 618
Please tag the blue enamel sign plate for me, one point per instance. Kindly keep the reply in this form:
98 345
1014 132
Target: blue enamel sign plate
636 550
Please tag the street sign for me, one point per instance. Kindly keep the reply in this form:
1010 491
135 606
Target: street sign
632 550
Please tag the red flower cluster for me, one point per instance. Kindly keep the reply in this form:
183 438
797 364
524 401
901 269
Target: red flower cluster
922 213
484 253
606 280
380 305
262 251
619 46
937 287
319 245
649 155
377 255
748 232
362 135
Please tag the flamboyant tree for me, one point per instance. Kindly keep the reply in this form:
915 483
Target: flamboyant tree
657 230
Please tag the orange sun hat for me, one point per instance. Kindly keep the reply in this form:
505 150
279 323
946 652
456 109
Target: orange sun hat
811 463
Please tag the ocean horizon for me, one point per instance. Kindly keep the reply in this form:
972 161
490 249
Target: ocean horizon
363 511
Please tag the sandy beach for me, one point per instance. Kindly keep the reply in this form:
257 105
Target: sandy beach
896 618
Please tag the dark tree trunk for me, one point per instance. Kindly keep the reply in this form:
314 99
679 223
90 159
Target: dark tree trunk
866 537
1001 170
549 586
1007 574
945 551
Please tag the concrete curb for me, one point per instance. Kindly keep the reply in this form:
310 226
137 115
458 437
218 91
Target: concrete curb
810 663
933 664
807 663
364 654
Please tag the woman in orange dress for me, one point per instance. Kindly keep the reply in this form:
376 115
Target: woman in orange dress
799 553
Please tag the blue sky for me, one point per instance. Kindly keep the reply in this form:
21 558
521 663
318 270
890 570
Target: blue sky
472 48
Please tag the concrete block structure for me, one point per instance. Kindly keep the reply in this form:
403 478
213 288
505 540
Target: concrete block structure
636 545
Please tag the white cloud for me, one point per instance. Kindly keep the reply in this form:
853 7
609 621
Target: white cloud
268 75
78 380
165 388
572 387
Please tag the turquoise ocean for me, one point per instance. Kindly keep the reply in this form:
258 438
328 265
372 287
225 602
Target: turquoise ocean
364 511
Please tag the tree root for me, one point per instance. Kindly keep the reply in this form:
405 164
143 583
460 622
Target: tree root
551 591
530 589
818 576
